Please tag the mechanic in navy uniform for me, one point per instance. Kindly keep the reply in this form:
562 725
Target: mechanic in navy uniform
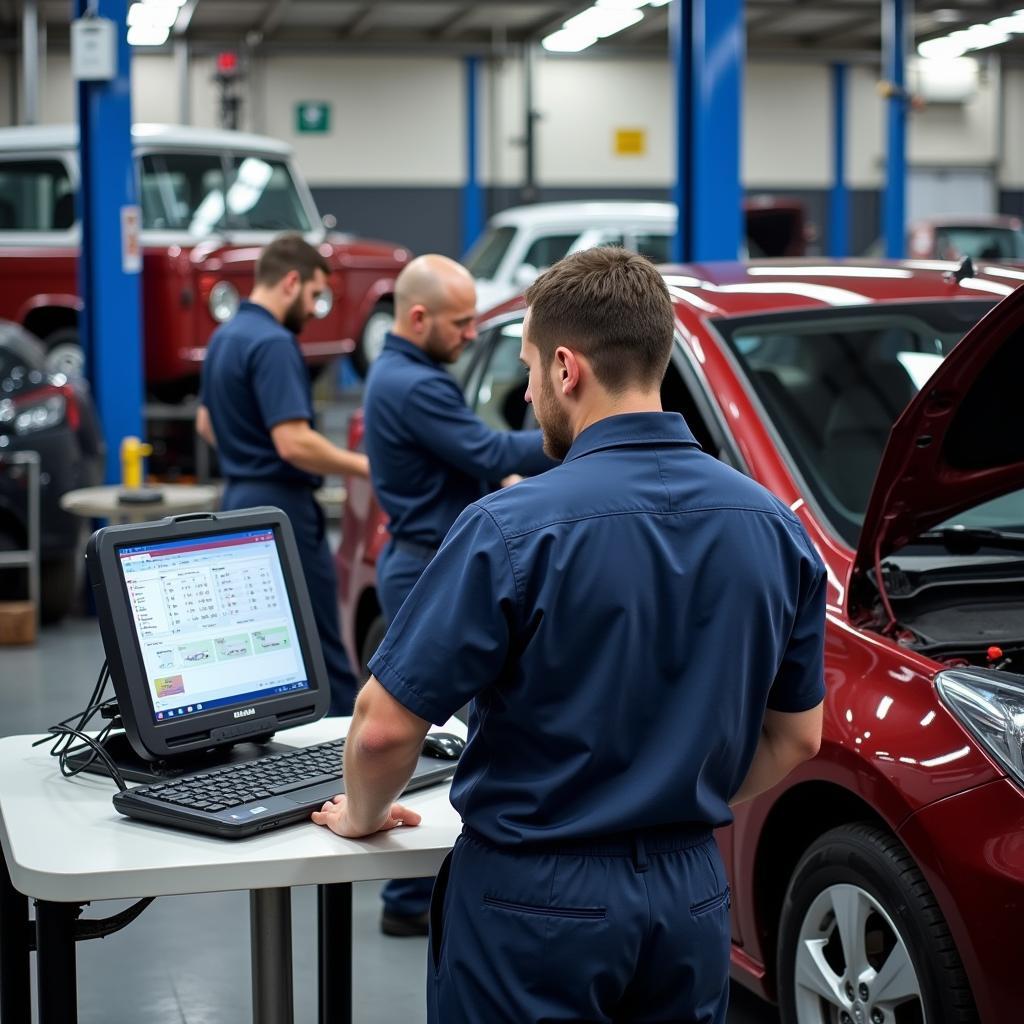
430 456
641 631
257 408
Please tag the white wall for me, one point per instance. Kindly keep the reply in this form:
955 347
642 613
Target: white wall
401 120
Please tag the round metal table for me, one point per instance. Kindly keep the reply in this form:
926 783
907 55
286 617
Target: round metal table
103 502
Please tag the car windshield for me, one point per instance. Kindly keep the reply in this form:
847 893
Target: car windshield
488 251
189 192
833 383
35 195
979 243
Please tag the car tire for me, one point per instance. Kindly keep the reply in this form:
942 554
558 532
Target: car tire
58 586
372 640
64 353
371 338
858 882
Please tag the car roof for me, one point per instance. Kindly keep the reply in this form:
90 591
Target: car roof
65 136
766 286
586 213
742 289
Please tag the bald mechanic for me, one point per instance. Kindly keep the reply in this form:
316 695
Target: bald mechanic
640 655
430 456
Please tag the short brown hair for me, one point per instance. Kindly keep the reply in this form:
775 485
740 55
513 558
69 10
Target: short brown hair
286 253
612 306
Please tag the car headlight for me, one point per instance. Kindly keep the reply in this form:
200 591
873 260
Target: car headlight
223 301
27 418
991 706
324 304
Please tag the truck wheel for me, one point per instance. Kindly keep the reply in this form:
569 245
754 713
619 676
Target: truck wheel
371 340
64 353
372 640
862 940
58 585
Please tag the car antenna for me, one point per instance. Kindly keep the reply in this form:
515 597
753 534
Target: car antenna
964 271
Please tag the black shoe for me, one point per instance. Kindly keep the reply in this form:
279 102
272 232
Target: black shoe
404 925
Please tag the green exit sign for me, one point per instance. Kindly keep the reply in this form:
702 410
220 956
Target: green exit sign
312 117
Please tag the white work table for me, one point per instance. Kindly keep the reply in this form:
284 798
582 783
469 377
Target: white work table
63 845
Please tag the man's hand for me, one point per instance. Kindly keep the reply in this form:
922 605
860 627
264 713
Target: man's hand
334 815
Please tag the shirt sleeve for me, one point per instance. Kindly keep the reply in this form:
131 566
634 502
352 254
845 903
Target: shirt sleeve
280 382
800 682
439 417
451 637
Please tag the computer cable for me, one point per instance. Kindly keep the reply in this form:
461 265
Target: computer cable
66 734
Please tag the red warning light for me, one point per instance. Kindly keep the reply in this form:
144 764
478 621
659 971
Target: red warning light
994 653
227 63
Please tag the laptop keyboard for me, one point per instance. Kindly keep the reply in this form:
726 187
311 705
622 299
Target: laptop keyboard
217 789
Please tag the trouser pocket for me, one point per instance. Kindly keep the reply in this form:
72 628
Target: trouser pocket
437 899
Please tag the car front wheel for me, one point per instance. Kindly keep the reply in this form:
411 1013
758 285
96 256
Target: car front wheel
862 940
372 640
64 353
371 340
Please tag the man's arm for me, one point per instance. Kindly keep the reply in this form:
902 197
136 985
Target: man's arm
787 739
305 448
204 426
381 751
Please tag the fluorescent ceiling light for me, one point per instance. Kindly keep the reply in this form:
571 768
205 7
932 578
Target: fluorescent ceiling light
657 3
602 21
620 5
977 37
943 48
152 13
564 41
148 35
1012 23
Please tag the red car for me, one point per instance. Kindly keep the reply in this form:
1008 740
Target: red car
994 237
210 200
884 880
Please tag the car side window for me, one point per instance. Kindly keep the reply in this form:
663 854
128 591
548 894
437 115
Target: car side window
36 195
654 247
676 396
547 250
497 388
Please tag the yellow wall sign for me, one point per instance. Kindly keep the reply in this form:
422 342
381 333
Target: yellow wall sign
630 141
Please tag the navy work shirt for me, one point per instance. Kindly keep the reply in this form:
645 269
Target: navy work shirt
430 455
253 378
622 622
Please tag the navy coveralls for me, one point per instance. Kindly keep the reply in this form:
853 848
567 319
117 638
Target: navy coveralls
620 623
430 456
254 378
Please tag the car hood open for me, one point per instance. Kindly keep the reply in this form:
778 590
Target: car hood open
959 443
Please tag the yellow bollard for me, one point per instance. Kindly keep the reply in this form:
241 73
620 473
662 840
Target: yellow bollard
133 451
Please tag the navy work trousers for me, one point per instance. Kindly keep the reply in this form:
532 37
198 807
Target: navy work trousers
397 573
628 930
307 520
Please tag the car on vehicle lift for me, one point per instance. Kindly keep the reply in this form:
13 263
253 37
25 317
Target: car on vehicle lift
884 880
53 416
210 201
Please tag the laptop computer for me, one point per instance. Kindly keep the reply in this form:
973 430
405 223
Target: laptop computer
212 648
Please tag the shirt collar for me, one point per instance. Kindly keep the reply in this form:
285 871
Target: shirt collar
631 429
396 343
245 306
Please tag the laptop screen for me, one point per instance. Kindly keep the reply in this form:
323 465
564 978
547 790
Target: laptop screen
213 621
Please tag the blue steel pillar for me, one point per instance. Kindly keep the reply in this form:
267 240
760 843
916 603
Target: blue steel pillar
839 196
110 261
708 43
472 197
896 17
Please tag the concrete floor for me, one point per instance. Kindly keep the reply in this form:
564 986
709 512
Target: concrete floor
186 959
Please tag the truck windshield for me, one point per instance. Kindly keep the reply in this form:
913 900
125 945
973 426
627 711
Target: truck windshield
188 192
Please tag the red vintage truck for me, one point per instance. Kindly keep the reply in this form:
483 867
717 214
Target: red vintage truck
210 200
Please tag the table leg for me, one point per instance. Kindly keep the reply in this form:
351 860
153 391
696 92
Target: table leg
334 939
270 920
15 984
56 976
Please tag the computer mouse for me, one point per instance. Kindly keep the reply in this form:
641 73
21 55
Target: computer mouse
445 745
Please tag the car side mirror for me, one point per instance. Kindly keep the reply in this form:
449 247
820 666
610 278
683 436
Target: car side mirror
525 275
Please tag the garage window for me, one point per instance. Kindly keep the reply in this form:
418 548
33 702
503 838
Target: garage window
35 195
